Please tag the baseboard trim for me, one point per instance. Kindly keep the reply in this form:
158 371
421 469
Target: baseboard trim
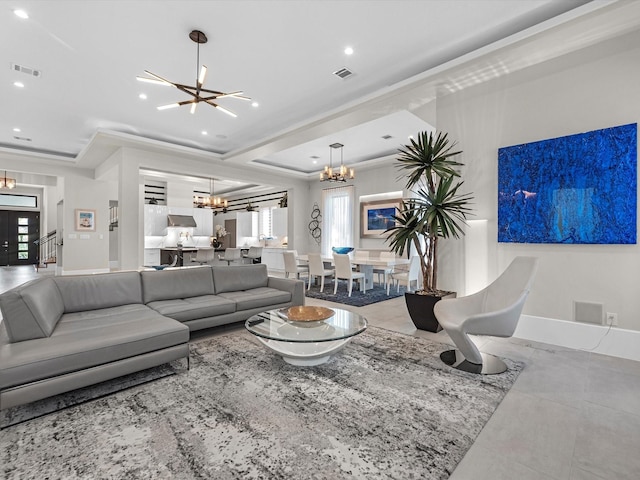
616 342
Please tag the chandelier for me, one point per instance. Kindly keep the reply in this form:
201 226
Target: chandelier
198 93
341 175
7 182
212 201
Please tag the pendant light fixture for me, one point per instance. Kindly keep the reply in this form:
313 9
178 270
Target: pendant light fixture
212 201
198 93
341 175
7 182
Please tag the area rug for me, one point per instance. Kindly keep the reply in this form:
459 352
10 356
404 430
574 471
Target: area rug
358 299
384 407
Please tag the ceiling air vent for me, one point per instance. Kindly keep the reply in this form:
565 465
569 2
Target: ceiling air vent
387 137
343 73
25 139
28 70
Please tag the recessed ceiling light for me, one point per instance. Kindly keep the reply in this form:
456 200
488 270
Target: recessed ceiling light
348 51
17 129
255 104
21 13
18 84
204 132
142 96
314 162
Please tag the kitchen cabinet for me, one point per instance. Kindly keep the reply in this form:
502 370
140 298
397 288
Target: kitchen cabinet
204 222
247 224
151 256
155 220
279 222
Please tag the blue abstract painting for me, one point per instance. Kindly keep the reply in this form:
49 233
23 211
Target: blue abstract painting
575 189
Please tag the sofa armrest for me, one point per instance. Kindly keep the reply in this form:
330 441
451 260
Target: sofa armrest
295 287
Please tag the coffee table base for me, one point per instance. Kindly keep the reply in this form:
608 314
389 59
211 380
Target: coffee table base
305 354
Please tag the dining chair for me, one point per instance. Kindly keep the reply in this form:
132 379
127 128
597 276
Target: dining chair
342 263
406 277
231 255
316 269
361 254
494 310
291 266
383 270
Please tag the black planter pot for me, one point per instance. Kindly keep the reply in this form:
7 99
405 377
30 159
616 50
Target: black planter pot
420 309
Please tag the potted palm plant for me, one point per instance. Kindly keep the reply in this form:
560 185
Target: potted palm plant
437 210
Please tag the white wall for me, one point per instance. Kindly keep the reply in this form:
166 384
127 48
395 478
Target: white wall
86 251
591 89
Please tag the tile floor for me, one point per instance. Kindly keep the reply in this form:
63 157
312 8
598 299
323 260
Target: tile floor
571 415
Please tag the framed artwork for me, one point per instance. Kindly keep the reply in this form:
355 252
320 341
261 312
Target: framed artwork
579 188
85 220
376 217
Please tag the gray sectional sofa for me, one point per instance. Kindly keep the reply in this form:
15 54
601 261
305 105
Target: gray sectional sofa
64 333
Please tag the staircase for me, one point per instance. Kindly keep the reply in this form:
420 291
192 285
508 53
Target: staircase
113 217
47 246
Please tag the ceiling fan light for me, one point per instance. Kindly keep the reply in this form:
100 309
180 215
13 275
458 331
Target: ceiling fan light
193 107
166 107
203 73
228 112
154 81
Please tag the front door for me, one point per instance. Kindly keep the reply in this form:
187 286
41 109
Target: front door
18 232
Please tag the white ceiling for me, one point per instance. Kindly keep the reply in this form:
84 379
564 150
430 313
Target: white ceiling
280 53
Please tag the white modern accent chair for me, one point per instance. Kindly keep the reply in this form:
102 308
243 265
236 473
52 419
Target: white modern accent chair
231 255
406 277
494 311
316 269
291 266
204 255
342 263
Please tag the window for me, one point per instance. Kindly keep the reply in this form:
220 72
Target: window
265 221
23 240
337 218
10 200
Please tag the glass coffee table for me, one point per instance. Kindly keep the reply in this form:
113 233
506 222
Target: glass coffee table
306 335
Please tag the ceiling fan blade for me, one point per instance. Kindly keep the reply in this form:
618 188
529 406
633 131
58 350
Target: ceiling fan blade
152 80
166 107
158 79
228 112
234 95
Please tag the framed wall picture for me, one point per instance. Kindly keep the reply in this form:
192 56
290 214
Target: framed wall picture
85 220
376 217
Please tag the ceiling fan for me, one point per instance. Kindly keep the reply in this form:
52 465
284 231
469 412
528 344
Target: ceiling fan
198 93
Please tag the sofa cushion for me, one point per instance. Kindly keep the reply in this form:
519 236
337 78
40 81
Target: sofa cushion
185 309
257 297
87 339
104 290
239 277
31 310
179 283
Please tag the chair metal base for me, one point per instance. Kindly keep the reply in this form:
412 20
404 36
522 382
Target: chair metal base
491 364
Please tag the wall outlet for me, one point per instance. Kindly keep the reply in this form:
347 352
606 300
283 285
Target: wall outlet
612 319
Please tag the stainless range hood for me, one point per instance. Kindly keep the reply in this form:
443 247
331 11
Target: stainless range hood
181 221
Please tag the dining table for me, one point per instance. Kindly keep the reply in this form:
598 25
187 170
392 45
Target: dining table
365 265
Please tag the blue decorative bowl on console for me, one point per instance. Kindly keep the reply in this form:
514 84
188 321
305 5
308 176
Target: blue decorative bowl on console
342 250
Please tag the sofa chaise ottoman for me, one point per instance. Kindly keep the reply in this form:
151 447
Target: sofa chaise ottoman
63 333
